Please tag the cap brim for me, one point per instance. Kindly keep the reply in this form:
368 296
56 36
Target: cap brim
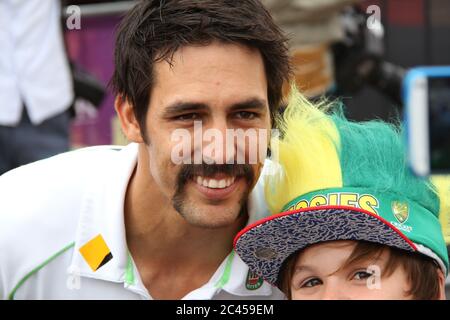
264 245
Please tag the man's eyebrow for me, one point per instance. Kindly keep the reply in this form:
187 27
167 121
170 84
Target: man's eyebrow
252 103
180 107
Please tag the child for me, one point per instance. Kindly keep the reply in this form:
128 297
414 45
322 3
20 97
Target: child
354 223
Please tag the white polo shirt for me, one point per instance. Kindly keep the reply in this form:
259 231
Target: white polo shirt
51 209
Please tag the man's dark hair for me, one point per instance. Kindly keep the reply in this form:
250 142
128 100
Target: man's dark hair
155 29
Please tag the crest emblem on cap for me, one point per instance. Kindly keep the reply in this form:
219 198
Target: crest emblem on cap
253 281
400 210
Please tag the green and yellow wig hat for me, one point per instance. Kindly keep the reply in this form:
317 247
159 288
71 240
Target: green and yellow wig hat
340 180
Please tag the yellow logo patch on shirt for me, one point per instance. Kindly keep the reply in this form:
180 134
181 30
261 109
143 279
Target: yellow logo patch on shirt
96 253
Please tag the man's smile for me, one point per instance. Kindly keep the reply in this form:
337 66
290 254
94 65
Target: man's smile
215 182
217 187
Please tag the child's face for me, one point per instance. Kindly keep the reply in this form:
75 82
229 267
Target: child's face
320 273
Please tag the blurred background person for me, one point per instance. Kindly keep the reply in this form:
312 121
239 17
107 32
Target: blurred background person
36 87
312 26
338 48
359 50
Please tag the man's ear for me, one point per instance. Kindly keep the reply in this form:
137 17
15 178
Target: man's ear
441 285
128 122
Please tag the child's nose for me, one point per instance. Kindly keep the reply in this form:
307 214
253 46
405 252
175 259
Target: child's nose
334 290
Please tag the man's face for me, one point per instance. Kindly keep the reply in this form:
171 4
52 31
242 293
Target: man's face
319 275
205 92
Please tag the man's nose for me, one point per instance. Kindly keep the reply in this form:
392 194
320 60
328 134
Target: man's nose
218 145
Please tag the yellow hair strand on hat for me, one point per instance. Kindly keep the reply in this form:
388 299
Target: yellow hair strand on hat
305 130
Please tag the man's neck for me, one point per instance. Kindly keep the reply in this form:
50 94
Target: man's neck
164 245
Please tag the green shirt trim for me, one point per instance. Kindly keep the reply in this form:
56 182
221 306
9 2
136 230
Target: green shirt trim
32 272
227 272
129 272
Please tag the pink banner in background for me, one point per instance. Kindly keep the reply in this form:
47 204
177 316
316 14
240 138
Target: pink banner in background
92 48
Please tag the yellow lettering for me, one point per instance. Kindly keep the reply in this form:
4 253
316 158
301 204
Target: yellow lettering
368 203
318 201
301 205
333 199
349 199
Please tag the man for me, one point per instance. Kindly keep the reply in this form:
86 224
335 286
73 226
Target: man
35 83
137 223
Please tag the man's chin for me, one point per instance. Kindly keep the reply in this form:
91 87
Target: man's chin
212 216
206 208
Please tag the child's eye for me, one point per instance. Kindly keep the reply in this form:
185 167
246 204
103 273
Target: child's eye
312 283
361 275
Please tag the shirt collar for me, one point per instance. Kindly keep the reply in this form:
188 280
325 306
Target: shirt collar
102 213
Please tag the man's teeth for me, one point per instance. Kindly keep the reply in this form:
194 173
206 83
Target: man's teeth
213 183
